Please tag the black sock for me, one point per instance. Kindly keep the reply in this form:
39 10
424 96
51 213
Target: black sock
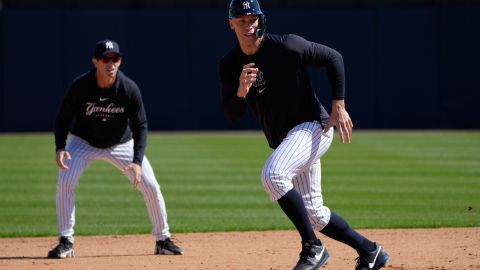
338 229
293 206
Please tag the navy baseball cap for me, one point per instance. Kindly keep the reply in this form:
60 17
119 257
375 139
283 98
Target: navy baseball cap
106 46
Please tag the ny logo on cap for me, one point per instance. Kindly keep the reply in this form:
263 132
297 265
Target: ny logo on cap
109 45
246 5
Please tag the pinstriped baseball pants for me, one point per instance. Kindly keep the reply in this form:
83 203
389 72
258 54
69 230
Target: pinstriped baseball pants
120 156
296 164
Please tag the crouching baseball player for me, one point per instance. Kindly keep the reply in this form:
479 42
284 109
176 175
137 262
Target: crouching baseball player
110 124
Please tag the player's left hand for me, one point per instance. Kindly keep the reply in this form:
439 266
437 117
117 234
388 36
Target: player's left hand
341 119
137 171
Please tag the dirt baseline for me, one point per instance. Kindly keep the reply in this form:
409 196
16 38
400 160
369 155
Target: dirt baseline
452 248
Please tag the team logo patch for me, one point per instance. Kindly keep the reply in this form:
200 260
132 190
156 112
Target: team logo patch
260 82
109 45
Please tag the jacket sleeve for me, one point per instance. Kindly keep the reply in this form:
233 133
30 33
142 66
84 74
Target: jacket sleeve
233 106
139 125
312 53
64 117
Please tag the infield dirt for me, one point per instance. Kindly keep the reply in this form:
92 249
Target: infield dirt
445 248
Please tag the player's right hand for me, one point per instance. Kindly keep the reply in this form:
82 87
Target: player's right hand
61 154
246 79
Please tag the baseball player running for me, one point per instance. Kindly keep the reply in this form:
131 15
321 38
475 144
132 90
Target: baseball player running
268 72
110 124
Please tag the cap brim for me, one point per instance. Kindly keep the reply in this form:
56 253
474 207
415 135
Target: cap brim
108 52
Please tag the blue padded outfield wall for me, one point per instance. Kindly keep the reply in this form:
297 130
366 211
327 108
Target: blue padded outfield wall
405 67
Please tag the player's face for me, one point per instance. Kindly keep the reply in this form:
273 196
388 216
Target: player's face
108 65
245 27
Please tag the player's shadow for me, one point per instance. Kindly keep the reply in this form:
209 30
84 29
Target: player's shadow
115 255
21 258
92 256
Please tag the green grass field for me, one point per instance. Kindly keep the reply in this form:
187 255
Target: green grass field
210 181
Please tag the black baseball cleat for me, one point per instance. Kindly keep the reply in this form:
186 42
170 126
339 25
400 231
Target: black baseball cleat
313 256
372 260
63 250
167 247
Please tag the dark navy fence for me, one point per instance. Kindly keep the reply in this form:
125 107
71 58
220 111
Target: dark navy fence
405 67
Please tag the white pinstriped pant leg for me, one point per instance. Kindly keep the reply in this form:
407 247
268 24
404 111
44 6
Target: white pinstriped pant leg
296 164
82 155
120 156
309 185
